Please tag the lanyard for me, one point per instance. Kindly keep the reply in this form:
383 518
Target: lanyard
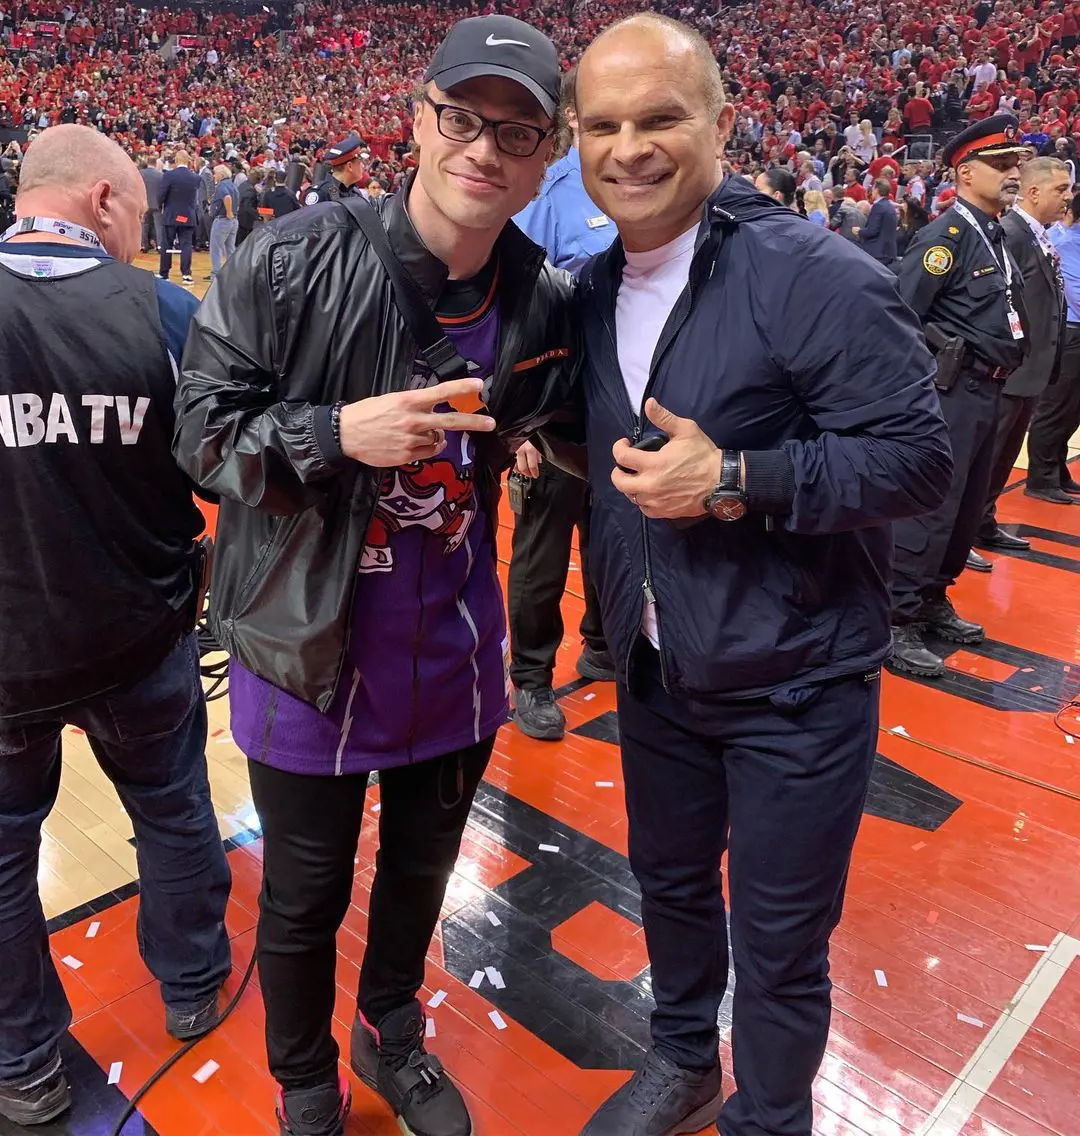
57 228
1004 264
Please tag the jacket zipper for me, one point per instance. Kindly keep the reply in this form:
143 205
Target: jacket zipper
685 303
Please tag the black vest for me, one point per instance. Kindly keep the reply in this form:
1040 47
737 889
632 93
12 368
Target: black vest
96 521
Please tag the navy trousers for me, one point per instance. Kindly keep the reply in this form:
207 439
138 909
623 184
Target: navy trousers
780 785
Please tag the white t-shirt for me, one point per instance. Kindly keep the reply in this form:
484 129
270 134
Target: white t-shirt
651 285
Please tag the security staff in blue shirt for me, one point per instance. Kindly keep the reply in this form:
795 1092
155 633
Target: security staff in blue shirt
549 504
1057 413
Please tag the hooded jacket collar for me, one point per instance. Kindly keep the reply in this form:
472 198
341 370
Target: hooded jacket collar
515 251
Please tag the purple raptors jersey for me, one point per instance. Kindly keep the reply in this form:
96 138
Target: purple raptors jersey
424 671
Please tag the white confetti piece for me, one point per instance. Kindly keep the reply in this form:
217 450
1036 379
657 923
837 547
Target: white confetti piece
1069 740
605 784
429 1029
495 978
589 697
881 979
477 979
548 847
376 807
493 919
1035 947
918 847
437 999
205 1072
970 1021
901 731
497 1020
115 1069
92 930
72 961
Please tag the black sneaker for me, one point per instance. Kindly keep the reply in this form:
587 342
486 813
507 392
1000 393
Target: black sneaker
596 665
939 618
38 1097
910 655
660 1100
192 1021
321 1111
392 1060
538 715
999 538
1054 496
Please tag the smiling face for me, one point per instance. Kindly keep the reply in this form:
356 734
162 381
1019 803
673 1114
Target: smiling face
474 185
649 140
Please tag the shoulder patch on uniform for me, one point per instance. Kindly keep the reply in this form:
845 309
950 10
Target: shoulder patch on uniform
312 197
953 231
937 260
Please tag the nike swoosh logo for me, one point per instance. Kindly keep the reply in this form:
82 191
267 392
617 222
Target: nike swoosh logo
491 41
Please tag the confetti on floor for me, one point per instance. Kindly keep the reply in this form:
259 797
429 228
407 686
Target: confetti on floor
376 807
548 847
115 1069
437 999
605 784
495 978
589 697
493 919
901 731
1069 739
205 1072
497 1020
970 1021
932 917
72 961
477 979
429 1029
918 847
879 975
92 930
1036 947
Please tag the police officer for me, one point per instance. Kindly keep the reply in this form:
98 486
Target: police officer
345 159
549 504
962 282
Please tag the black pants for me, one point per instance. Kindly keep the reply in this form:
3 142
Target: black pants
152 227
311 826
1056 419
1012 424
780 784
557 503
931 550
177 236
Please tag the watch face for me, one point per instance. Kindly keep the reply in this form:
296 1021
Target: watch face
729 507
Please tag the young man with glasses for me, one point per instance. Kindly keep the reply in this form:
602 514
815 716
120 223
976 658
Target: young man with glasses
356 586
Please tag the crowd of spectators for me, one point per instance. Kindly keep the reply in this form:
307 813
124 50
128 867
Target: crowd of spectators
837 92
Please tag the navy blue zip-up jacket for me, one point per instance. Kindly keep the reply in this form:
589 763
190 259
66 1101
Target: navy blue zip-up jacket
794 347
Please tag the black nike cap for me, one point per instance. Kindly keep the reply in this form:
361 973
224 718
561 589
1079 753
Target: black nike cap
498 45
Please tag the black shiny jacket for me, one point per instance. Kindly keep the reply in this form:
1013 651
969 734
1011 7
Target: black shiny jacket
303 316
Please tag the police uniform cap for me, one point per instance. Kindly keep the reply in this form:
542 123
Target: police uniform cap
998 134
344 151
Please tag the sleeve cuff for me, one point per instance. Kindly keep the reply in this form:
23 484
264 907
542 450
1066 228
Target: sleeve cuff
770 482
324 436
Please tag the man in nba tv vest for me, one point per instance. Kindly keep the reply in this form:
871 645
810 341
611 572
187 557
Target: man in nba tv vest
98 580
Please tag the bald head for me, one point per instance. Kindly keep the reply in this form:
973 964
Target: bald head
676 39
74 158
75 174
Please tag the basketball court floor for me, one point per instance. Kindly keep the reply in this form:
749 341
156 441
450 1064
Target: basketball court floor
956 966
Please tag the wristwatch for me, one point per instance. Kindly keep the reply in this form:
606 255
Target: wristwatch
727 502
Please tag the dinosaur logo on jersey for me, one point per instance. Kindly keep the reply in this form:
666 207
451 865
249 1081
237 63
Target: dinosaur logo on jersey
434 495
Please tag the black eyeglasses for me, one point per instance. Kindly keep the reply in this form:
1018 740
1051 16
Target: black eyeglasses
518 139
